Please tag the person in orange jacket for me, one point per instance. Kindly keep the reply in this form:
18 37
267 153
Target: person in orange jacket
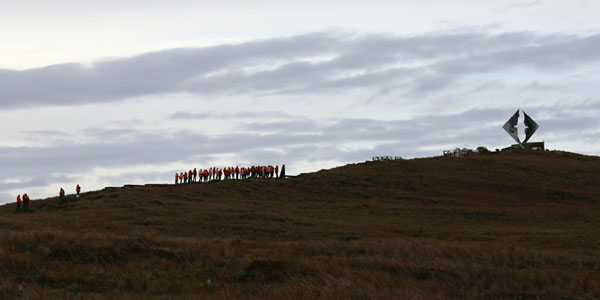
78 190
18 203
25 202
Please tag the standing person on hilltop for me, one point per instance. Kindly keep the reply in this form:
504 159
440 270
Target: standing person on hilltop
78 190
18 203
61 195
25 202
176 178
195 174
276 171
181 177
185 177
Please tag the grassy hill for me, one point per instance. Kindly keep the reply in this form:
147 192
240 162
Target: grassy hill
501 226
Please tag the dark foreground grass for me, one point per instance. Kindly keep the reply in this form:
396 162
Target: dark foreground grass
502 226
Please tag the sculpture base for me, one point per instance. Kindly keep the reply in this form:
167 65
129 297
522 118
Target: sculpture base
527 146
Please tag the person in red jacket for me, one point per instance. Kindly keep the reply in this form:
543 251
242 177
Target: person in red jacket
18 203
25 203
61 195
78 190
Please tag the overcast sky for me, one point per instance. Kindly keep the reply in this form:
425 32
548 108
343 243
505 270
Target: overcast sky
116 92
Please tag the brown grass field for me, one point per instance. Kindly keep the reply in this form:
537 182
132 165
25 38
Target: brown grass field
494 226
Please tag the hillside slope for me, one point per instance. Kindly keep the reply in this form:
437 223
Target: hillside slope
510 225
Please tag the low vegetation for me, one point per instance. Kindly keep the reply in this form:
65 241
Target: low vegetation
489 226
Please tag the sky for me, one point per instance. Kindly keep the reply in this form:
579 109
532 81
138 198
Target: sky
130 92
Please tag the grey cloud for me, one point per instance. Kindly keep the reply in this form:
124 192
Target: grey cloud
152 73
537 86
108 135
47 136
35 181
571 124
186 115
290 126
488 85
372 61
551 54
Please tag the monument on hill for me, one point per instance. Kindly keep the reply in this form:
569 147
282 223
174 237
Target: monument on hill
531 126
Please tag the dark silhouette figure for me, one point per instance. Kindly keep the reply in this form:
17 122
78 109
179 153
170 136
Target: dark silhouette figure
282 174
61 196
25 203
18 203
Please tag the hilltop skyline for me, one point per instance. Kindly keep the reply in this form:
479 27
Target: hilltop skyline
111 95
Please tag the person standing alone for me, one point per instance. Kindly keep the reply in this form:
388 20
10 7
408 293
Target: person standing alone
78 190
61 195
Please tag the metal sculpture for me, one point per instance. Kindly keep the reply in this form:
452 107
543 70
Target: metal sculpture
511 128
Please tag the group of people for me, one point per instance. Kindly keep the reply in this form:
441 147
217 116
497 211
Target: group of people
61 194
210 174
25 199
